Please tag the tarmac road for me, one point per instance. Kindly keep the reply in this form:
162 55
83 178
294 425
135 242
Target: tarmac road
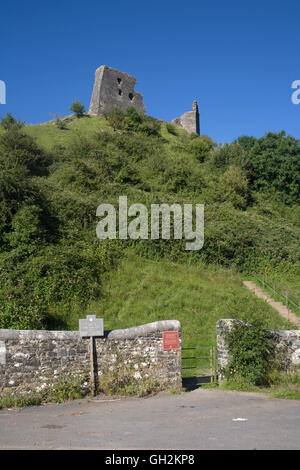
200 419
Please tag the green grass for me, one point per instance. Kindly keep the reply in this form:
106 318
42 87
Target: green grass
48 135
20 401
285 385
143 291
287 393
288 281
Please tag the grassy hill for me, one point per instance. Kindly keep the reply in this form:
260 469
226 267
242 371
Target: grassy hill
53 269
143 290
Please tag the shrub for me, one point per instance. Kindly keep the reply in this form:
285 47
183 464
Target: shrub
132 115
26 227
61 275
15 187
200 148
116 118
60 124
149 126
20 149
228 154
9 122
171 128
68 387
252 353
78 108
20 317
232 186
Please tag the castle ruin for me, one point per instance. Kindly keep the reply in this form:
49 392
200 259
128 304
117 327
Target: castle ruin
112 89
115 89
190 120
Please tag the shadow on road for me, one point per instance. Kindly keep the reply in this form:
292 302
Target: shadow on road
191 383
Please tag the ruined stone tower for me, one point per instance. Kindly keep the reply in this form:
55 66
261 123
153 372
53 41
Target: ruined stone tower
115 89
190 120
112 89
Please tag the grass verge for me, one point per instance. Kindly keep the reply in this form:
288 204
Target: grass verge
284 385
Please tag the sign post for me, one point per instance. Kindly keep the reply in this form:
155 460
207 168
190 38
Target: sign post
90 327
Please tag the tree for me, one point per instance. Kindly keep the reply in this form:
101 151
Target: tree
77 108
9 122
274 162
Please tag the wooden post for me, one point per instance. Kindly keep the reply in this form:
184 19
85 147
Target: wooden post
92 379
90 327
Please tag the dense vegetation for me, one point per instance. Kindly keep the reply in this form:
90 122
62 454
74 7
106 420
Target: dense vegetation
53 176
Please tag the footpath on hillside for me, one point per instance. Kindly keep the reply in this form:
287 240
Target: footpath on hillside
284 311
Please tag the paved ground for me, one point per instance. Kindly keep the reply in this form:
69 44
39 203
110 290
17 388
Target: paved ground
201 419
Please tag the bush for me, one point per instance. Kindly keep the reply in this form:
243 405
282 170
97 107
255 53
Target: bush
228 154
18 149
149 126
171 128
62 275
78 108
135 122
200 148
274 161
68 387
132 115
26 226
9 122
15 187
116 118
232 186
251 350
20 317
60 124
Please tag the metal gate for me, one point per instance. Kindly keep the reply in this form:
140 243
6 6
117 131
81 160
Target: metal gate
199 365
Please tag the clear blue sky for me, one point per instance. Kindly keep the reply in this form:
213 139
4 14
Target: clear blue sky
236 58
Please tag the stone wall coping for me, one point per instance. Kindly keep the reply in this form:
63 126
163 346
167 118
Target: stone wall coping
38 334
145 330
127 333
229 321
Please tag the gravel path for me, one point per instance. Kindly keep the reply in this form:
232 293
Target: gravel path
281 309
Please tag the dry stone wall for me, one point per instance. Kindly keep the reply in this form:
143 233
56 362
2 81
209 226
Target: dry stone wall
287 345
31 360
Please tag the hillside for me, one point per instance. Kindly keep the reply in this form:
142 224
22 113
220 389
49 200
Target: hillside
54 270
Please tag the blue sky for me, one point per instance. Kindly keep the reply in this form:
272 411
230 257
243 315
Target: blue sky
238 59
